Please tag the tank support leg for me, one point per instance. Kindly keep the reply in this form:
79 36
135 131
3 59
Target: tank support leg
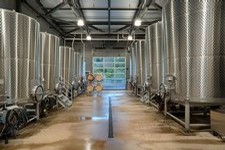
187 115
165 106
6 139
136 90
37 110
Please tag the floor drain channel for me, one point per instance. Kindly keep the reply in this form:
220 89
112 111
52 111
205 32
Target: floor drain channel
110 133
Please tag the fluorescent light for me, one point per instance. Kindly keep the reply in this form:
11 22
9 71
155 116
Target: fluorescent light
130 37
80 22
137 22
88 37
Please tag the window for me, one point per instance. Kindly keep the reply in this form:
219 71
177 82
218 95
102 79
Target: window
113 70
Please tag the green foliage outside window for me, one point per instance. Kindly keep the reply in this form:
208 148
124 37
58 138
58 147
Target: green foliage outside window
119 65
113 70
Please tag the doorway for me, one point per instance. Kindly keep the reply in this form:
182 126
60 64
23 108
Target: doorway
113 70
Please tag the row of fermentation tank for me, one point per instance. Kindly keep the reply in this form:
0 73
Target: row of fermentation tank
35 71
181 61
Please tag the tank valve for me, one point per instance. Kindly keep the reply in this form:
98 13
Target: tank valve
37 93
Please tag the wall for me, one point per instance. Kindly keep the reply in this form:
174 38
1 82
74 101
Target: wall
8 4
114 53
90 52
11 5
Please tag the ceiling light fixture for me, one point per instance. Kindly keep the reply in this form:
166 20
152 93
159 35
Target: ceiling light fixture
137 22
88 37
80 22
130 37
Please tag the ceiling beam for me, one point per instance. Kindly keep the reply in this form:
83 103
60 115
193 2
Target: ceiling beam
115 9
52 25
93 27
49 17
75 6
140 5
103 34
120 29
103 48
142 29
40 5
139 14
110 36
64 22
82 14
103 39
145 9
158 6
56 8
71 24
73 30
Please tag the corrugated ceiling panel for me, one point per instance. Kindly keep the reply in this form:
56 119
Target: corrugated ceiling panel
50 3
66 6
63 13
124 3
96 15
67 15
94 3
122 15
105 27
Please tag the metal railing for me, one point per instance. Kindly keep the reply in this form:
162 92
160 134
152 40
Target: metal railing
67 89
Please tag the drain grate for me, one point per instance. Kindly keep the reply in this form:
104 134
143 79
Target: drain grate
110 132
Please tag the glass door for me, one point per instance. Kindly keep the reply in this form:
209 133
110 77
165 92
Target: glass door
113 70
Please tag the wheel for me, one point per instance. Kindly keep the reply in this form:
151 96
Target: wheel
43 107
11 125
52 103
22 118
215 133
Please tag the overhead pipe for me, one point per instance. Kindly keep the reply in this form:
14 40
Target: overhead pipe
145 9
134 40
136 15
64 42
63 3
73 42
73 7
141 12
84 54
144 4
81 35
83 48
124 36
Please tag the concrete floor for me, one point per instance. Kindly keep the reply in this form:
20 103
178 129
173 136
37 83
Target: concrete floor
85 127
